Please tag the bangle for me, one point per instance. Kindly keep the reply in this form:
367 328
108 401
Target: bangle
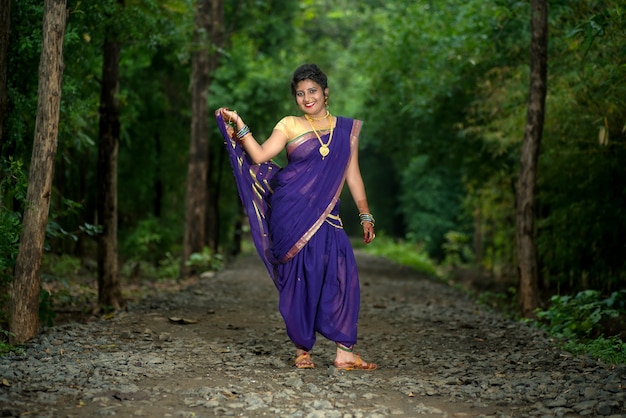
366 217
243 132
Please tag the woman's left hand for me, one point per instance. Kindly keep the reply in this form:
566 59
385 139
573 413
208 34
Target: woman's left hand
368 232
230 116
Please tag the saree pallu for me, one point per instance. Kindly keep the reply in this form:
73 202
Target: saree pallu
296 229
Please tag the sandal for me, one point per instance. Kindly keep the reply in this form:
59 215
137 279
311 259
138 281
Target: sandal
357 364
303 361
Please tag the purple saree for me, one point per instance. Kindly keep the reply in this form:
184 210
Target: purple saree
295 225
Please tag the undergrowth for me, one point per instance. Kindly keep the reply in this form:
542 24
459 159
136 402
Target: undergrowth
5 347
404 253
587 324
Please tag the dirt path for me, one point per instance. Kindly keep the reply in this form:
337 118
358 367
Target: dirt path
440 355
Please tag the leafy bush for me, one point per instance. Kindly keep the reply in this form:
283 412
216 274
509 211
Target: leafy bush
205 261
581 316
169 266
611 350
580 323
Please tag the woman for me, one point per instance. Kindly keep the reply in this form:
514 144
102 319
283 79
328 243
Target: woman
294 215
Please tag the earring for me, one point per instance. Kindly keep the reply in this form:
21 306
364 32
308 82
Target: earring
326 101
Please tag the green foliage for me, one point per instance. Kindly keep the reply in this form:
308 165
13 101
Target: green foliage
582 182
205 261
13 186
167 267
144 241
6 347
153 101
420 87
62 266
491 205
443 103
579 324
66 209
46 308
10 227
429 202
581 316
404 253
457 249
502 302
24 51
610 350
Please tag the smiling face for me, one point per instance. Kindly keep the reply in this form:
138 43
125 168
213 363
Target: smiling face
311 98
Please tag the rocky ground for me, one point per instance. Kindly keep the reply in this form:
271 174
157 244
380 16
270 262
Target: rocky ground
218 348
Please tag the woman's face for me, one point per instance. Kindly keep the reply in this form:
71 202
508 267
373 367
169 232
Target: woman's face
311 98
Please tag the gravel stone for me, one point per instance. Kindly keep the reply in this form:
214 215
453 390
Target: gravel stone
440 355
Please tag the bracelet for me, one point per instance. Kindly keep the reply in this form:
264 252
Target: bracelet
366 217
243 132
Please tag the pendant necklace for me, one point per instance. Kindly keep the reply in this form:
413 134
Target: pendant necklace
323 150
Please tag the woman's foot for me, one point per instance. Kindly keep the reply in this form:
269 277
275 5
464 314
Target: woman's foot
303 360
347 360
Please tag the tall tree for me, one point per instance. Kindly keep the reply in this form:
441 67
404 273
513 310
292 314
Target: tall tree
109 286
24 309
207 24
5 25
525 193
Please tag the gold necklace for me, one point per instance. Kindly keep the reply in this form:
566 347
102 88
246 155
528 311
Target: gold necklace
324 150
323 117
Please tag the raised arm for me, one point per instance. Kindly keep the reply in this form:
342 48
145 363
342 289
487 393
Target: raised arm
259 153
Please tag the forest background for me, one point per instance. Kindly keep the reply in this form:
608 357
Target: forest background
442 88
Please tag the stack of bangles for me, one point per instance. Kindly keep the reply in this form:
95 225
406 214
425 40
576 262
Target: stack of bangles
366 217
245 130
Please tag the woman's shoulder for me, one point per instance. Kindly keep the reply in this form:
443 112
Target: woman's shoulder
289 125
287 122
290 118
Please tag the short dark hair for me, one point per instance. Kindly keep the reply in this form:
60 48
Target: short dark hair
308 72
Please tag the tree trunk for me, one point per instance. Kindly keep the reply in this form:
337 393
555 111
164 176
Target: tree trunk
109 287
24 306
5 25
197 171
525 199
